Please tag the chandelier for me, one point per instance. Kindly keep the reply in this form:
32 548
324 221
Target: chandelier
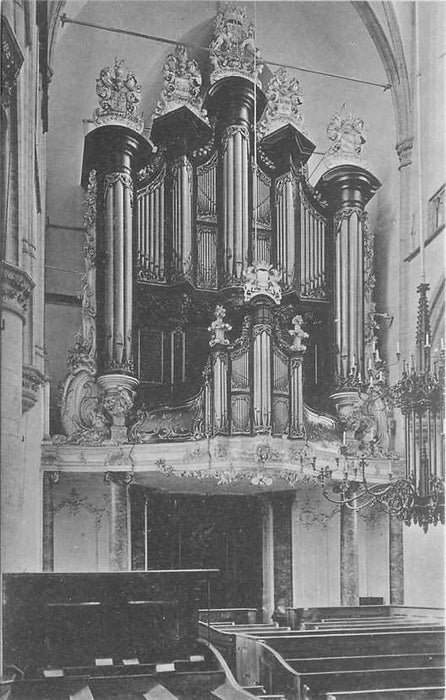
418 496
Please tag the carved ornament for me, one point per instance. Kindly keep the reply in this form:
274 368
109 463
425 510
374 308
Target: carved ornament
347 132
112 178
229 132
181 84
232 51
74 502
262 279
119 95
11 62
219 328
32 380
83 419
284 96
16 288
170 423
298 335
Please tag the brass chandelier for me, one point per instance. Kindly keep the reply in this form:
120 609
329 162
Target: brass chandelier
419 496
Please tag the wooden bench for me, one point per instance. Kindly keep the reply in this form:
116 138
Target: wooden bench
337 663
373 679
418 693
313 644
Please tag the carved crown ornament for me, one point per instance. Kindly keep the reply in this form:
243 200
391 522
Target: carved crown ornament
346 131
284 94
119 94
232 51
181 84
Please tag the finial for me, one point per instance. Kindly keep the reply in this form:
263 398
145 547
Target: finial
262 279
218 328
298 334
181 84
284 96
119 94
232 51
347 132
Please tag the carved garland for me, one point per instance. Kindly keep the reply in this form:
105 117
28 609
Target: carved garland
231 131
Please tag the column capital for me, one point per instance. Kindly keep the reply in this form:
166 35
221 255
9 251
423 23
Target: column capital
347 186
232 101
16 288
113 148
404 151
118 478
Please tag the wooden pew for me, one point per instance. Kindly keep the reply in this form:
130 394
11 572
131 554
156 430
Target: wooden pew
417 693
313 643
337 663
373 679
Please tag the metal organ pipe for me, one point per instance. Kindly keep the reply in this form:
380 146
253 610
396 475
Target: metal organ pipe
118 272
109 277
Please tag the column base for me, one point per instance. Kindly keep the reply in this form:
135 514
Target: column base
117 401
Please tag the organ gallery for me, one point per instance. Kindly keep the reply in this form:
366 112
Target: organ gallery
233 414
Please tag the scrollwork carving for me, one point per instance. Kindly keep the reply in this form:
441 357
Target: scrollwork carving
181 84
232 51
284 96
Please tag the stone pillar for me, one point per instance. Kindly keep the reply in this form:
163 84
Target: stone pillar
232 101
16 288
396 561
119 542
49 479
283 559
348 188
349 555
267 560
116 153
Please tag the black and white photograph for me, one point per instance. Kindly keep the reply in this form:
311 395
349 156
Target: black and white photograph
222 349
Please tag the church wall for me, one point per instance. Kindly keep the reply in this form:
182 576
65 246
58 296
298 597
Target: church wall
81 523
424 566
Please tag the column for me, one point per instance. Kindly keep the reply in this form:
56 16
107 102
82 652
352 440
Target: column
232 102
49 479
348 188
296 394
283 559
267 560
119 544
116 153
396 561
349 555
16 288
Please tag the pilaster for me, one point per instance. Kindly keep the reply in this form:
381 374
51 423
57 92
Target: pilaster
349 555
119 544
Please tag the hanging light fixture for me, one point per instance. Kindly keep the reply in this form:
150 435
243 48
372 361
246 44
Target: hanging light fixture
419 496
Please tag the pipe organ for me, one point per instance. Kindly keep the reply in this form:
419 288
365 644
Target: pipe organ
218 209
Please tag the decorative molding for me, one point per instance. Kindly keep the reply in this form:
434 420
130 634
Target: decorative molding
32 380
16 288
262 279
170 423
347 132
229 132
284 96
232 51
345 214
119 94
112 178
11 62
119 478
74 502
